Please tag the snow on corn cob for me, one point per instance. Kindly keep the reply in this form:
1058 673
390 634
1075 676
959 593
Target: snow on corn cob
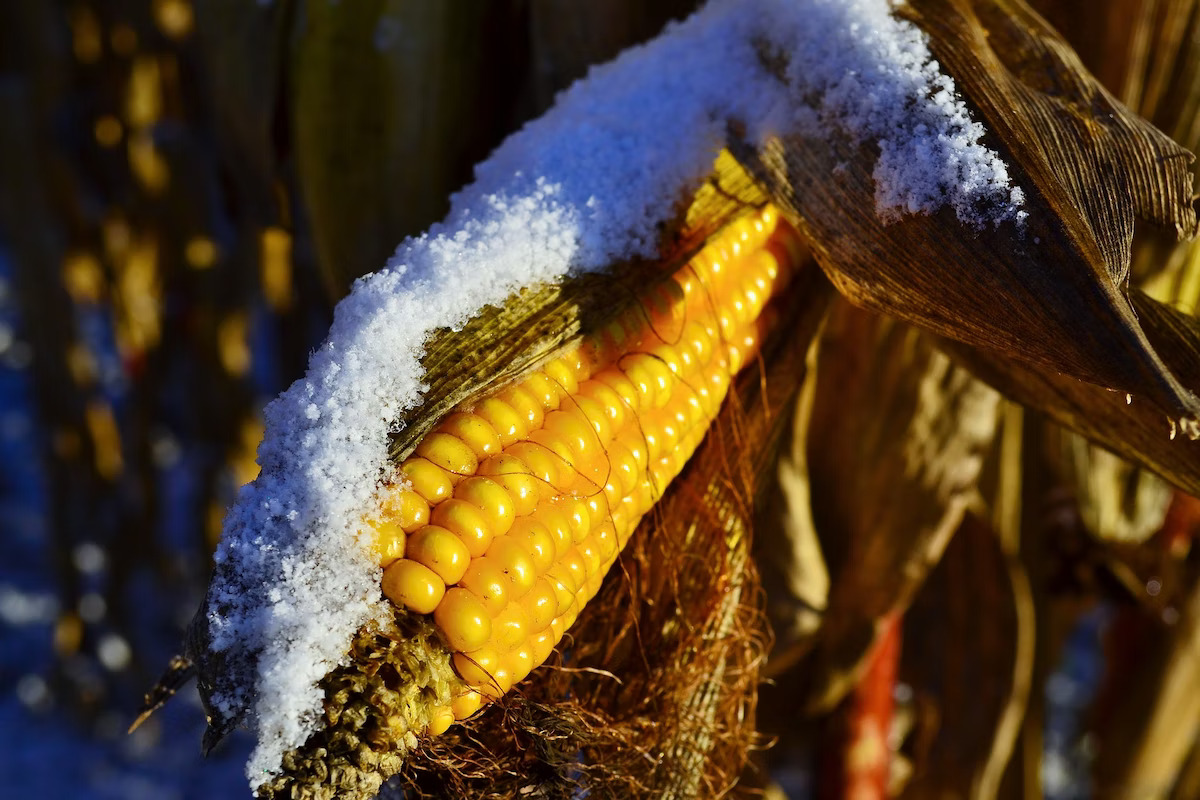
512 509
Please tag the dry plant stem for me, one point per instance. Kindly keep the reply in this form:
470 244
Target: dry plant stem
1006 522
961 658
1145 744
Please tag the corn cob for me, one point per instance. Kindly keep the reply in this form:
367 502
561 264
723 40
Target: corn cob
511 510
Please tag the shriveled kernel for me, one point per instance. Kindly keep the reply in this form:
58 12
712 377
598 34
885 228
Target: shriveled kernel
428 480
477 667
487 579
463 619
510 628
541 604
525 405
537 542
465 521
473 431
516 564
466 703
413 586
450 453
490 498
505 420
440 720
440 550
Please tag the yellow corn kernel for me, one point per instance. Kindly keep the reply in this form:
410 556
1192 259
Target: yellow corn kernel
477 666
535 539
441 551
563 375
516 564
463 619
519 662
517 479
594 413
578 518
498 683
390 542
465 521
508 424
441 720
408 509
450 453
473 431
491 499
557 525
487 580
413 586
563 583
525 405
547 393
608 400
542 645
544 464
428 480
468 701
541 604
510 628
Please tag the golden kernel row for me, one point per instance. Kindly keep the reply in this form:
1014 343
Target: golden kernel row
517 506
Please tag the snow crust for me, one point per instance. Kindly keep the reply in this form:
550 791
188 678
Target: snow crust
573 191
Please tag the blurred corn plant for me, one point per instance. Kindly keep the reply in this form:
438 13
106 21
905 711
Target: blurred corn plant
954 513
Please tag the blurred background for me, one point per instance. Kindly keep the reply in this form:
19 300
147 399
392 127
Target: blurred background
186 190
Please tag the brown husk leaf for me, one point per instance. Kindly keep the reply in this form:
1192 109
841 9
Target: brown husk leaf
895 444
1135 430
1050 294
